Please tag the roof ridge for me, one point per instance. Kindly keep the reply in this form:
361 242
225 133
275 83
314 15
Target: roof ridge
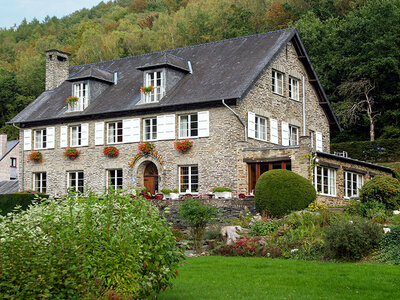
191 46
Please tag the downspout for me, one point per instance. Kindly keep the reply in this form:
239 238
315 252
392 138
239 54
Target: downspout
304 106
21 145
239 118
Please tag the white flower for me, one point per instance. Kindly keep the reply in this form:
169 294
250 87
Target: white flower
294 250
386 229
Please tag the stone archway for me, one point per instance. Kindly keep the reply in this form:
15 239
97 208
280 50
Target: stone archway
149 167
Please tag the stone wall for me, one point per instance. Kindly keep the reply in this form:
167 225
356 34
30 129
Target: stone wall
57 68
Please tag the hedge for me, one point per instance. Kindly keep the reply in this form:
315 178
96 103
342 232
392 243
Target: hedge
9 201
384 150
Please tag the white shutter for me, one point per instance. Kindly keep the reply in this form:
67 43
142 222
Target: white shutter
274 131
285 133
204 123
50 137
85 134
318 141
99 133
251 124
166 127
131 129
161 127
63 136
27 139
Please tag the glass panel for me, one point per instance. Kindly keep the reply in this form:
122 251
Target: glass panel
193 125
263 168
147 129
184 126
252 178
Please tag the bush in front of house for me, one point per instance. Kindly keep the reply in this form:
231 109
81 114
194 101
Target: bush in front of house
390 252
278 192
261 228
384 189
351 239
8 202
86 248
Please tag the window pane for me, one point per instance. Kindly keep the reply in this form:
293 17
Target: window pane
184 126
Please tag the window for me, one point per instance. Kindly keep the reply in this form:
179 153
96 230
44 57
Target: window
150 129
80 91
154 79
277 82
114 179
76 136
13 162
188 179
76 181
312 137
293 135
294 88
40 182
114 132
352 184
40 138
188 126
260 128
257 169
324 180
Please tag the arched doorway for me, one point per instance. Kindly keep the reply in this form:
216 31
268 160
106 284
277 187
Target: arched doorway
151 178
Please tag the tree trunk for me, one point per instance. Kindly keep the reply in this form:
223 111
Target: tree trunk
372 130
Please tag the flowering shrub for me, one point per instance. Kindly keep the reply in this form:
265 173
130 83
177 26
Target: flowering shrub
245 246
183 146
384 189
71 100
36 157
314 206
147 89
146 147
221 189
111 151
67 251
71 153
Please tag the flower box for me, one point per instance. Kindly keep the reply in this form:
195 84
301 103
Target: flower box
147 89
183 146
71 100
222 192
72 153
111 151
170 194
146 147
36 157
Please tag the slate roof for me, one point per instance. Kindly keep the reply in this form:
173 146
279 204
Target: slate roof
167 59
92 72
221 70
10 146
8 186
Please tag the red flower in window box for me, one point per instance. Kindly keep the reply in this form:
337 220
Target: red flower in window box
71 153
71 100
183 146
111 151
147 89
36 157
146 147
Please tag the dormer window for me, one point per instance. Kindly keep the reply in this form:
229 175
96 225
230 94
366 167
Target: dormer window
81 92
156 80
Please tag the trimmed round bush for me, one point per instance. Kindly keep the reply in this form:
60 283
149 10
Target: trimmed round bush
87 248
278 192
384 189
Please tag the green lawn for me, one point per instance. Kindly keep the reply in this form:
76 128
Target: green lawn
215 277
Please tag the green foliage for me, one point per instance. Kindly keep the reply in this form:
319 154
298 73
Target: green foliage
279 192
390 252
221 189
86 247
260 228
243 220
373 209
243 247
352 207
384 189
8 202
351 239
197 215
166 191
314 206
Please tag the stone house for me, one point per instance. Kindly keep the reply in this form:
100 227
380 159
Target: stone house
249 104
9 156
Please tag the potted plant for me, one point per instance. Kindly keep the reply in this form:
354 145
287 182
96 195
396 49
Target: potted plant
183 146
111 151
166 193
36 157
174 194
222 192
146 147
71 100
71 153
147 89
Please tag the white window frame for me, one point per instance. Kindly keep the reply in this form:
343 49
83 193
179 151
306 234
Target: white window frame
293 135
355 185
190 175
112 175
80 90
75 185
76 139
40 138
39 182
312 137
294 88
158 92
113 138
277 82
150 129
260 129
189 127
13 162
328 180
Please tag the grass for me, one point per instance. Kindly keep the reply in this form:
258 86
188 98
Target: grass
215 277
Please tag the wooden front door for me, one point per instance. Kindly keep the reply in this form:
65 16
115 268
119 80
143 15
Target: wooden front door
151 178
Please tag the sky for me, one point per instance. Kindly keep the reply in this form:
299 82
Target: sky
14 11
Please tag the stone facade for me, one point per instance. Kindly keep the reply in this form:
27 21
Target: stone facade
57 68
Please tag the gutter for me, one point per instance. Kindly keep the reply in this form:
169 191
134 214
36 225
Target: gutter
21 157
304 107
239 118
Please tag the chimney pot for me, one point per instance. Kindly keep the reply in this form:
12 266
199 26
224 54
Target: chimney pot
57 68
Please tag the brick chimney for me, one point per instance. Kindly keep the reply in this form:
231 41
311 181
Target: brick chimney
3 144
57 68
